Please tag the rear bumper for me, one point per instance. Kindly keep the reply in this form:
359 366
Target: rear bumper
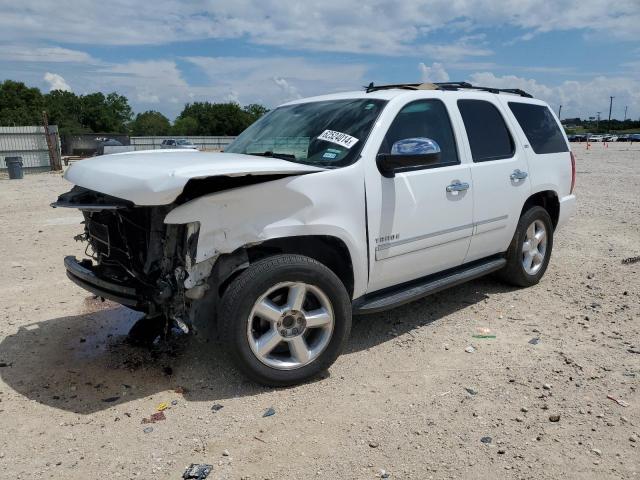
84 277
567 209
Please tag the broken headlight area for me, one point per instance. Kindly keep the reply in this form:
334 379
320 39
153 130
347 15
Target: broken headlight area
132 256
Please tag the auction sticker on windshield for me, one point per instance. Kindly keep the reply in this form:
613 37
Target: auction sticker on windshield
338 138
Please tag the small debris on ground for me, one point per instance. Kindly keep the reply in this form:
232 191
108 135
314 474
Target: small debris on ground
486 440
534 341
162 406
470 349
630 260
547 386
384 473
216 407
147 429
374 444
554 417
110 399
471 390
155 417
483 332
622 403
225 453
174 402
197 471
269 412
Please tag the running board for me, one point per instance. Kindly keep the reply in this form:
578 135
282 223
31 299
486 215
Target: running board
386 299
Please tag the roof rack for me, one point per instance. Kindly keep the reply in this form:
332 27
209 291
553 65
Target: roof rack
445 86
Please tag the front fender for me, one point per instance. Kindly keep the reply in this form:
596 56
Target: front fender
325 203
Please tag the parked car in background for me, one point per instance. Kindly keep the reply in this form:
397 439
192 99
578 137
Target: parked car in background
354 202
623 138
596 138
610 138
578 138
634 137
178 143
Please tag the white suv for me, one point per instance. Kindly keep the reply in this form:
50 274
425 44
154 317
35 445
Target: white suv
327 206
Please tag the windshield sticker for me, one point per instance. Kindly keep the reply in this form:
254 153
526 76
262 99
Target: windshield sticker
339 138
329 155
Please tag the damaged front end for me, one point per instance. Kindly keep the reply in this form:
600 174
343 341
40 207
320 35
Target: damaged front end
133 257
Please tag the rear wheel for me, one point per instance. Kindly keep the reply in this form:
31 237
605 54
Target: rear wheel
285 319
530 250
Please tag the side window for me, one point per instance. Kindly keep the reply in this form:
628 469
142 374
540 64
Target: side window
424 118
540 127
489 137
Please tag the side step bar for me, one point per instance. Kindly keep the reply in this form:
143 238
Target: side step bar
386 299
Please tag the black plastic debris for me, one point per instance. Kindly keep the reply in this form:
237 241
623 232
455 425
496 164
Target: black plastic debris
110 399
269 412
534 341
630 260
216 406
197 471
486 439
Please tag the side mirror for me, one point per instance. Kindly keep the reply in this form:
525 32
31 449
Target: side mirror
408 154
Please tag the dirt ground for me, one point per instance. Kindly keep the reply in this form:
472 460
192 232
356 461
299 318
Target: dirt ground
405 400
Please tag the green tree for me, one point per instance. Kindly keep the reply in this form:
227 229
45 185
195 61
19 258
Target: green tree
220 118
64 109
108 114
255 111
19 104
150 123
184 126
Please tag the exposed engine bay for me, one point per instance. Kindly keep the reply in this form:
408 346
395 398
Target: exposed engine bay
133 257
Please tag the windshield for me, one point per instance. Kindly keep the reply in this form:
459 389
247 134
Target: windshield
329 133
184 142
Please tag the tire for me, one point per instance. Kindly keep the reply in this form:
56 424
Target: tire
515 272
287 319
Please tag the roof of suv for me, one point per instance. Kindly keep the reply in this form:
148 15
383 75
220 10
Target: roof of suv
388 92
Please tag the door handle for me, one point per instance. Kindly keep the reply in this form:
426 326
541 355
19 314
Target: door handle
458 187
518 175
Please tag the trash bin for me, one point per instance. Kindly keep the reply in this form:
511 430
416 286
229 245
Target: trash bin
14 166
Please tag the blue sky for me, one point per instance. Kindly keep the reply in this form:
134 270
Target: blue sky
165 53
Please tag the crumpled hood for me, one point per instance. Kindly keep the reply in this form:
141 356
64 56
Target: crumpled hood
157 177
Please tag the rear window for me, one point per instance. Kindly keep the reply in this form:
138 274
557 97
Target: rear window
489 137
540 127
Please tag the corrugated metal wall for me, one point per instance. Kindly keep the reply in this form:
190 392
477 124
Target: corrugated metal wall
203 143
28 142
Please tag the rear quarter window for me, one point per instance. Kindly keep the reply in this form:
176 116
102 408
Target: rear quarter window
540 127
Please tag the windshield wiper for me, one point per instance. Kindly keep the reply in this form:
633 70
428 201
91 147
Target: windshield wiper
281 156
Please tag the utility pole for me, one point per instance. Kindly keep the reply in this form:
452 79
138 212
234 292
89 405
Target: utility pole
610 105
625 113
598 121
559 112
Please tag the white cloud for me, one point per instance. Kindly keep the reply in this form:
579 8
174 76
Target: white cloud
578 98
377 26
24 53
434 73
56 82
275 80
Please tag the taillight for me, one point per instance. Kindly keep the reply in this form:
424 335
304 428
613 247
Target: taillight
573 172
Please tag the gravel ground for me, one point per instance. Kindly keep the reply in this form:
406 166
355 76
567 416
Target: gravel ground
405 400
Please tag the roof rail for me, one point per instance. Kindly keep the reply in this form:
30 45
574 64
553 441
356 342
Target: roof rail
445 86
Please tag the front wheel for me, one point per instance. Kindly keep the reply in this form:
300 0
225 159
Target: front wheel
530 250
285 319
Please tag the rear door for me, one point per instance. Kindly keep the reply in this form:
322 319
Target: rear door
545 145
500 175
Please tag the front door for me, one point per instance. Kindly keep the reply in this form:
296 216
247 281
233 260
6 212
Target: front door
421 222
